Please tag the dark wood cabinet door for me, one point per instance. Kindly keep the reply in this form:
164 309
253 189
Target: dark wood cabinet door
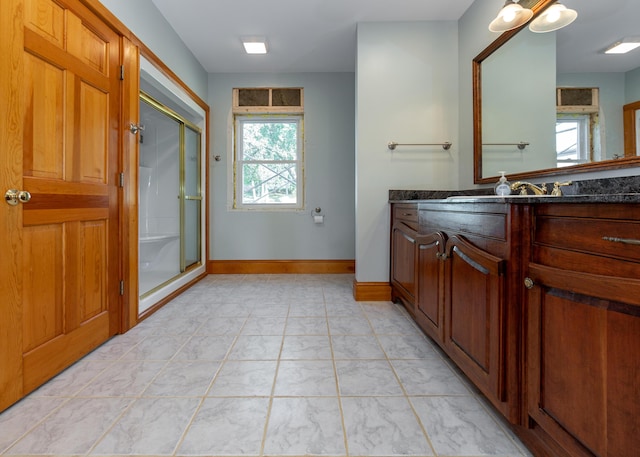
474 315
583 360
403 263
429 303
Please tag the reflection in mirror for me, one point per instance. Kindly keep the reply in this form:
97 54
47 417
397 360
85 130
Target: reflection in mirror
517 88
631 114
637 132
560 93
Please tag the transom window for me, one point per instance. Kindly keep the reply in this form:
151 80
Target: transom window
268 162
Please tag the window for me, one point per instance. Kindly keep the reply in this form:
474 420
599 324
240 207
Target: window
268 156
573 139
268 162
578 134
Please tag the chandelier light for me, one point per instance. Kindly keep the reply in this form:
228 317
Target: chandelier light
553 18
511 16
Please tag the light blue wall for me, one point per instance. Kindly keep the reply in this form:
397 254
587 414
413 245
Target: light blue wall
473 37
407 83
519 105
330 175
632 85
145 21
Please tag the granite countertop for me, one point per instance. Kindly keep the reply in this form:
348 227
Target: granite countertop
528 199
607 190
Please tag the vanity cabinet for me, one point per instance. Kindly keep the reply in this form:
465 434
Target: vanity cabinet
416 270
582 336
539 305
478 309
461 298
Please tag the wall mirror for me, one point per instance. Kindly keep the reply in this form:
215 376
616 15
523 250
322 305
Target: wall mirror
555 103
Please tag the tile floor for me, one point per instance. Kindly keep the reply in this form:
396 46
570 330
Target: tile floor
252 365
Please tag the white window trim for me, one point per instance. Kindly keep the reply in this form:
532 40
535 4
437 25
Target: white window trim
235 185
583 126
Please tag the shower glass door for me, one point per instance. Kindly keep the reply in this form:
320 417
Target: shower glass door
191 199
169 196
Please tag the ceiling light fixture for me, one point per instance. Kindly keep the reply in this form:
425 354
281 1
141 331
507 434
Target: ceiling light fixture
511 16
255 46
553 18
623 46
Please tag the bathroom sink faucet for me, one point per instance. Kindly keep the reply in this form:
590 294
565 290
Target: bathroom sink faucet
557 192
522 186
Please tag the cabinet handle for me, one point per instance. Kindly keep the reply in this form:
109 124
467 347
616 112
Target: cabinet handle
441 255
528 283
614 239
408 238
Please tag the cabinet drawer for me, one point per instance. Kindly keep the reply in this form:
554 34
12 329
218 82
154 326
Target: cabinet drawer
617 239
469 224
406 214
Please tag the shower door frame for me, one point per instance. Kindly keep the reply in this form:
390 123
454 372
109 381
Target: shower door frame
147 70
183 124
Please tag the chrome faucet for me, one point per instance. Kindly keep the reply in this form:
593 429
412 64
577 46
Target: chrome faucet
522 186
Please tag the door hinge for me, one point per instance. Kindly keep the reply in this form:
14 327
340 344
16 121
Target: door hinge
121 179
121 72
122 287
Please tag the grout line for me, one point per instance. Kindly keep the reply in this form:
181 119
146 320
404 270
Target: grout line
273 385
37 423
337 384
203 397
113 424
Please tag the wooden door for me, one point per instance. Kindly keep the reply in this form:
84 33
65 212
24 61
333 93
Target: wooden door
403 263
63 136
582 361
429 303
474 314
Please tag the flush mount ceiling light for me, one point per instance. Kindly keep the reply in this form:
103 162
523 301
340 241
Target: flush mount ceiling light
254 45
623 46
553 18
511 16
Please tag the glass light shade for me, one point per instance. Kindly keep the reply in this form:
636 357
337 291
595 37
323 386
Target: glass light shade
512 15
553 18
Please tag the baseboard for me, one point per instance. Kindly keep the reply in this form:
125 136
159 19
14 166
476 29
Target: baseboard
281 266
371 291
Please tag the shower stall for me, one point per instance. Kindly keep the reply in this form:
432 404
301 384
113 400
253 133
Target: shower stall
170 221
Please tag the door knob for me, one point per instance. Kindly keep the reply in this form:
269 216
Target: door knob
528 283
24 196
13 196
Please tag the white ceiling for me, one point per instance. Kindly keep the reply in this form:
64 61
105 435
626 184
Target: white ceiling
599 24
302 35
320 35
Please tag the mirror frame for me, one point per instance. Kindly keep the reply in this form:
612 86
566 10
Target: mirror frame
624 162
